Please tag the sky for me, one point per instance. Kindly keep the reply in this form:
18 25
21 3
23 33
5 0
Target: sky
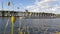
49 6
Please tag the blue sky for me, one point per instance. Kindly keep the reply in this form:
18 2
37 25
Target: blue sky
17 3
50 6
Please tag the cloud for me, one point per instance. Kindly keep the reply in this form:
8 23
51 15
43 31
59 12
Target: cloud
51 6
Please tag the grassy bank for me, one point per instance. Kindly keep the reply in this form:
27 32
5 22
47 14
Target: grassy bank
58 15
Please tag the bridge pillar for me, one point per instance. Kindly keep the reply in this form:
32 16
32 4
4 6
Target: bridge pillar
2 13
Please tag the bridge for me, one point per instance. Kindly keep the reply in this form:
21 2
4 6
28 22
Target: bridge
25 14
7 13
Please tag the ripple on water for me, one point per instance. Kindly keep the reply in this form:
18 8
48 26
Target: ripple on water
30 22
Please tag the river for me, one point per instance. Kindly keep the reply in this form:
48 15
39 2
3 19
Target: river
51 25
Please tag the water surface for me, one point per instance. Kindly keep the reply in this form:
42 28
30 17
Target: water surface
51 24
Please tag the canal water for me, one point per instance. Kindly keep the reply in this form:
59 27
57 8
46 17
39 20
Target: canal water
36 26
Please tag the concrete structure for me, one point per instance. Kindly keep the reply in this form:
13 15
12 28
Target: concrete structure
27 14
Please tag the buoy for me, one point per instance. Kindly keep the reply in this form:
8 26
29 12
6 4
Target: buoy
13 19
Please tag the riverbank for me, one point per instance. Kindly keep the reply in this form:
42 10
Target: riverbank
58 15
